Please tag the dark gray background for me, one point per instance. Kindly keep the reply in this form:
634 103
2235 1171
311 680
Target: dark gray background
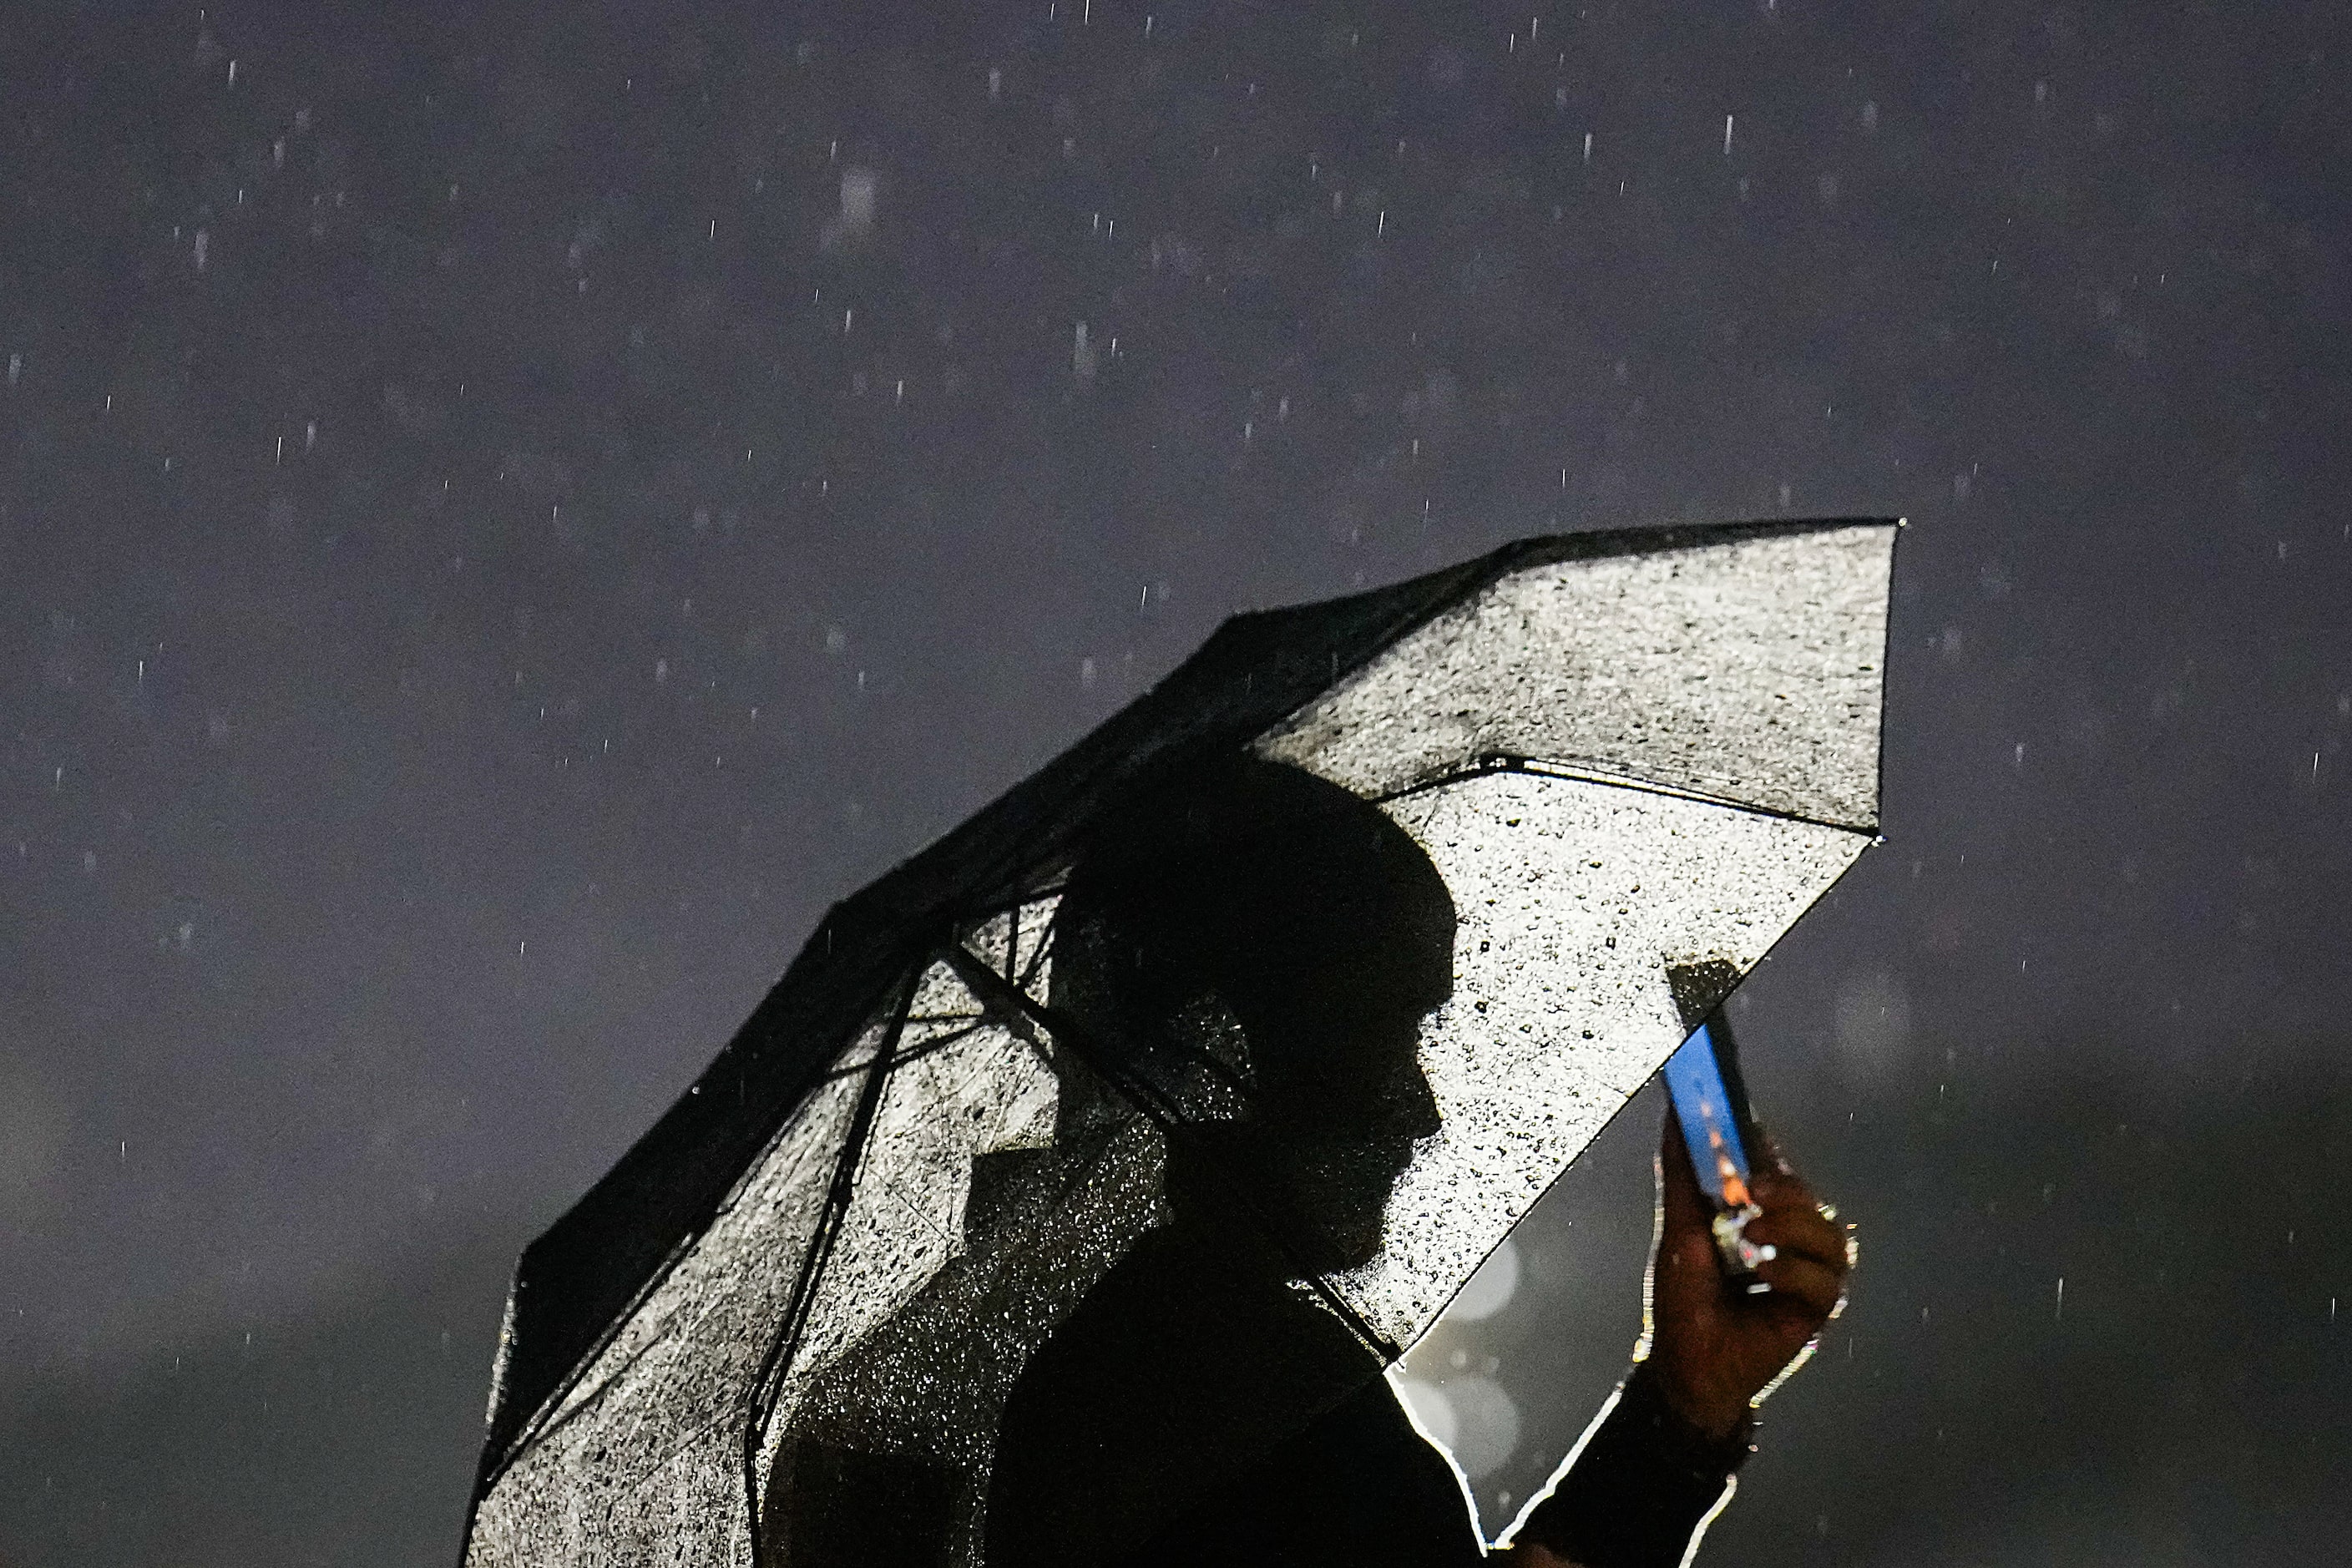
491 545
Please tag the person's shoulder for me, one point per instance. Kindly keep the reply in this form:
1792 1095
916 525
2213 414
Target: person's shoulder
1358 1487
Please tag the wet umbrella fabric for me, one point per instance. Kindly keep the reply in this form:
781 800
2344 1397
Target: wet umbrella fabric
1633 759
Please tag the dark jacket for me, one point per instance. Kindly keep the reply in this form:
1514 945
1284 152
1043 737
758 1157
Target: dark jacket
1120 1443
1361 1487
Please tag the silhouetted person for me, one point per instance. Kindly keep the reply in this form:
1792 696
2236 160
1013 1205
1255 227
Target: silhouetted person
1247 954
1263 945
1199 1407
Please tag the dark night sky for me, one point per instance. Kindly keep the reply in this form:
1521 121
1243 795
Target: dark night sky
496 534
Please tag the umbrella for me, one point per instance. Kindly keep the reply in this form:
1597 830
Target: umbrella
1614 768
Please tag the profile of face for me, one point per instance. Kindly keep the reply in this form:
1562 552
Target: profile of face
1263 945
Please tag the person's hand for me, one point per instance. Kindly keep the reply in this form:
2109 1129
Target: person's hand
1714 1349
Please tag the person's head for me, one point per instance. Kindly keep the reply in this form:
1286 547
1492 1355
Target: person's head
1252 913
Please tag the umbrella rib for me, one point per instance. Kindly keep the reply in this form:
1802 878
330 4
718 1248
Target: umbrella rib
1026 1015
768 1385
971 916
1036 961
1543 767
913 1053
561 1408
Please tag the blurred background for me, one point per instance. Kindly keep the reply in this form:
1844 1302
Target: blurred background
507 511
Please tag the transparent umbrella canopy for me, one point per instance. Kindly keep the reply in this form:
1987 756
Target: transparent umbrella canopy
1633 759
